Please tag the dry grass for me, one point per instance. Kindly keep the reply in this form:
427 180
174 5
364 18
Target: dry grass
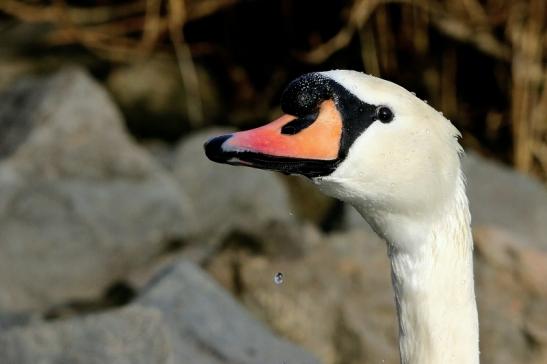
109 32
471 22
135 29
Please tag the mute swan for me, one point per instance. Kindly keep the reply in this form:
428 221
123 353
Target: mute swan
375 145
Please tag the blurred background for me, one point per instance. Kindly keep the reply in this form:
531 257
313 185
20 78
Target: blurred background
121 243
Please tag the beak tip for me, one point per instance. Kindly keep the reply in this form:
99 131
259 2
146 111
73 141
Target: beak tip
213 148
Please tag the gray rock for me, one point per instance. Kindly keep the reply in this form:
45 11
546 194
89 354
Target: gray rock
209 326
183 317
336 300
8 321
510 277
226 197
152 95
131 336
81 205
502 197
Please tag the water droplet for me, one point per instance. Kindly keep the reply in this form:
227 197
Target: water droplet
291 213
278 278
425 101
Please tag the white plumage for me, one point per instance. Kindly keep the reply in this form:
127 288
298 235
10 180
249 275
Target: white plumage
405 179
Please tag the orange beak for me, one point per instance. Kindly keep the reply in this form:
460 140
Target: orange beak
307 145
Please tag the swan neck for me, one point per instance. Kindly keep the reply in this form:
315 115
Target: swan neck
432 276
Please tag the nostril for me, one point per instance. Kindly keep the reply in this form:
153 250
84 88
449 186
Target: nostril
213 148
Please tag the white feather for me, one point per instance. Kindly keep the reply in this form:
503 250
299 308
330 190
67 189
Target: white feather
404 177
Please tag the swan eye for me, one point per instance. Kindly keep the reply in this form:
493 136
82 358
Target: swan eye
384 114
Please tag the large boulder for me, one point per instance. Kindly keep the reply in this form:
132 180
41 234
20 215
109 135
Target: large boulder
182 317
502 197
136 335
81 205
155 100
511 295
209 324
335 299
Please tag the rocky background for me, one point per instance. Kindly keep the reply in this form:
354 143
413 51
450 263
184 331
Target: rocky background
121 243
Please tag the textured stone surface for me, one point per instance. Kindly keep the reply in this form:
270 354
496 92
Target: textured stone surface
182 317
502 197
131 336
81 204
210 326
154 99
509 294
336 298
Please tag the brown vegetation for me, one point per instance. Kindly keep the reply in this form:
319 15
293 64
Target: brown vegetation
388 36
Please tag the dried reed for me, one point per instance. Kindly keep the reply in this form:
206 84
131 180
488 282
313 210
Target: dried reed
110 31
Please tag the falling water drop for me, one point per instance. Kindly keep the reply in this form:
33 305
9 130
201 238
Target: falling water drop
278 278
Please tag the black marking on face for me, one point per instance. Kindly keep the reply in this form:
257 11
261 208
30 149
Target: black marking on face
304 95
298 124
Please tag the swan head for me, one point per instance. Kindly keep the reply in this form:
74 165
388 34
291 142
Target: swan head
359 138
